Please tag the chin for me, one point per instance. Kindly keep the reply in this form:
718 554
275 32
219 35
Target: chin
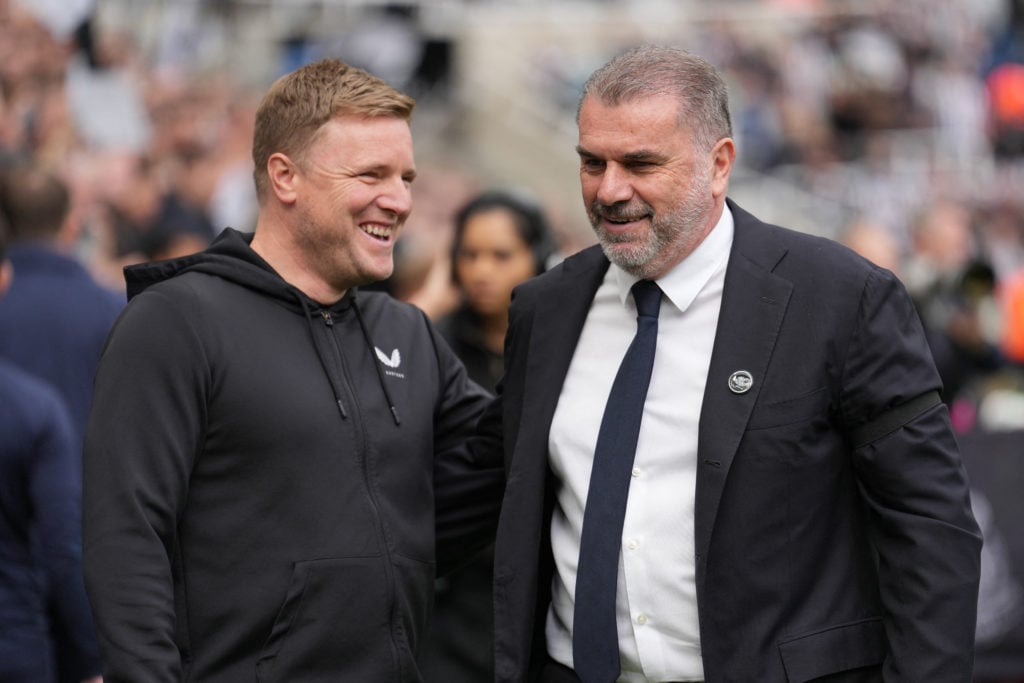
628 256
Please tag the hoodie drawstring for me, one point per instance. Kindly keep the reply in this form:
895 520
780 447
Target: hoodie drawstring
369 344
319 354
376 364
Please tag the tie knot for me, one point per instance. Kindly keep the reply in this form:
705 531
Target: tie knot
647 296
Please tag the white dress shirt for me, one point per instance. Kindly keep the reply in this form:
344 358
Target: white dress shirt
659 638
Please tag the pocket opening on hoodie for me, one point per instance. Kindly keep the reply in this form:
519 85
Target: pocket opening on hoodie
335 616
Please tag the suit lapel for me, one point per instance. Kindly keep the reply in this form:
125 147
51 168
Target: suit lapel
557 323
754 302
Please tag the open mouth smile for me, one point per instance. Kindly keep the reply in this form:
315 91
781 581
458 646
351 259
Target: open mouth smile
379 232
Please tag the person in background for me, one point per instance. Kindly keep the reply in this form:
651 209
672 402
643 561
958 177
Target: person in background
874 242
276 462
56 316
501 239
53 322
953 286
41 586
769 488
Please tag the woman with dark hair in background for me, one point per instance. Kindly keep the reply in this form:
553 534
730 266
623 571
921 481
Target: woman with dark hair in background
501 239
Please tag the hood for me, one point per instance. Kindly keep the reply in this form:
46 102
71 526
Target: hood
230 257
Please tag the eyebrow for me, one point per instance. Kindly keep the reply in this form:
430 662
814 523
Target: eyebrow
642 155
639 155
408 174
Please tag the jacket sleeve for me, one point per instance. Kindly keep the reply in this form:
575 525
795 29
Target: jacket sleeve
468 481
146 425
55 488
914 486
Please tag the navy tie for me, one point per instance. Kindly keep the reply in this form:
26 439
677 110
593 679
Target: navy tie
595 641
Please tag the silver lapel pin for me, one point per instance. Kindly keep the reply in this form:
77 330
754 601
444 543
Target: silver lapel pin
740 382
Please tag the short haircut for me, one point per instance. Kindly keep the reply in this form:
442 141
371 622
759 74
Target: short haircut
652 70
298 104
34 203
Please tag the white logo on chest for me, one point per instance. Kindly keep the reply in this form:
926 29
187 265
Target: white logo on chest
393 362
390 362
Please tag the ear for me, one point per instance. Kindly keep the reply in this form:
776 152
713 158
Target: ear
722 156
283 174
6 275
70 230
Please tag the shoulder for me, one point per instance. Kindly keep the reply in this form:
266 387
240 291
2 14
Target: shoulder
187 293
585 265
170 318
799 256
17 382
381 307
396 323
28 400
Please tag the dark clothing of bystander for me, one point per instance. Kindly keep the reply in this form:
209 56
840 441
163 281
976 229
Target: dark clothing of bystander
40 545
53 323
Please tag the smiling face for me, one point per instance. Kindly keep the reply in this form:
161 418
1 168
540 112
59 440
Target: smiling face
651 194
351 195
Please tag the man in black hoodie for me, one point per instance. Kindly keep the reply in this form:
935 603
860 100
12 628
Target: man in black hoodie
270 450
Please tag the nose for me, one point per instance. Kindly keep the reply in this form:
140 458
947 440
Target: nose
396 197
614 185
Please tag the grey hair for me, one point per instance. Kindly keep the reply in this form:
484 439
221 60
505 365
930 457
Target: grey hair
652 70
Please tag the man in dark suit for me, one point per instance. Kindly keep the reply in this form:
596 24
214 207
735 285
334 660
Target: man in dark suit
797 509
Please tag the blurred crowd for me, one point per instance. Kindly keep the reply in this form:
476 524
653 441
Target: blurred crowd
153 161
904 121
908 116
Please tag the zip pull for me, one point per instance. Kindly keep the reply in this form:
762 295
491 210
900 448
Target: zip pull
329 321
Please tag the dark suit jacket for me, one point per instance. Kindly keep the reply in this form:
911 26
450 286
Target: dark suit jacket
814 558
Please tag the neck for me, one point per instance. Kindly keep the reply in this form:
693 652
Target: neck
280 253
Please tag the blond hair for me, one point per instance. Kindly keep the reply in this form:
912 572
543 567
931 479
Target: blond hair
298 104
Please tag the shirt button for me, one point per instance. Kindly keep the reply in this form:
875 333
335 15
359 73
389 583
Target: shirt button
641 619
632 544
636 471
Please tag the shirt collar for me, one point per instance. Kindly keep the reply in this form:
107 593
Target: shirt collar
682 284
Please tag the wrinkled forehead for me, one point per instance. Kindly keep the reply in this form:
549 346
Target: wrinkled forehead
644 122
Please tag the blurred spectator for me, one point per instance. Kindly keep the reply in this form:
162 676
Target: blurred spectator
954 290
874 242
422 274
1001 237
1013 310
41 587
501 239
55 318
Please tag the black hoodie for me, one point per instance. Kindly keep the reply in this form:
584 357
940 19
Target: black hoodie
260 477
